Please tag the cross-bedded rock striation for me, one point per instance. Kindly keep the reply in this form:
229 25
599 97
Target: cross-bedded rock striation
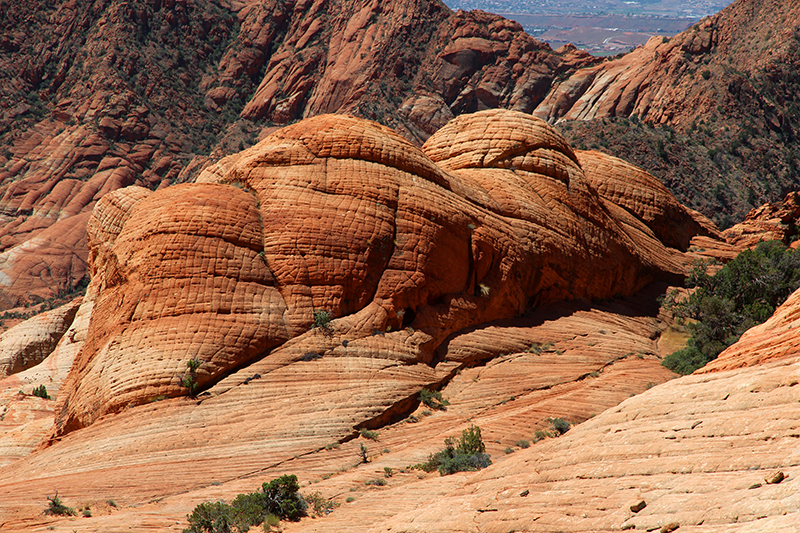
402 246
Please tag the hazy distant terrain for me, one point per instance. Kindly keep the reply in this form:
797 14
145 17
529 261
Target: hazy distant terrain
664 8
601 27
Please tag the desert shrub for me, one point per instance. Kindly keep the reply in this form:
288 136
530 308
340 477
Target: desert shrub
210 517
523 444
465 454
744 293
283 498
57 508
378 482
319 505
322 320
369 434
433 399
279 497
189 380
560 426
41 392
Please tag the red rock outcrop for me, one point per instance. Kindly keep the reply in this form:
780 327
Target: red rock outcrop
722 139
659 81
774 340
174 267
225 275
775 221
593 357
30 342
25 420
646 198
159 85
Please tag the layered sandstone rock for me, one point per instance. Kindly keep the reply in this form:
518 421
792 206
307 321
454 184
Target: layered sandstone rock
137 104
721 139
645 197
774 221
25 420
775 339
510 375
341 215
29 343
279 417
700 452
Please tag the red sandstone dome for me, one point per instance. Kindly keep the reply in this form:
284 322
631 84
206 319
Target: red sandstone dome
342 215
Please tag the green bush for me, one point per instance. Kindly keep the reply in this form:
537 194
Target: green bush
369 434
210 517
744 293
433 399
57 508
319 505
41 392
322 320
463 455
279 497
560 426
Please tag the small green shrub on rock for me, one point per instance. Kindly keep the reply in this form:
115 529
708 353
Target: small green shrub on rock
57 508
433 399
560 426
279 497
41 392
463 455
322 320
369 434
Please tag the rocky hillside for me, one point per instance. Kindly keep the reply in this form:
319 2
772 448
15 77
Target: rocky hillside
148 93
713 112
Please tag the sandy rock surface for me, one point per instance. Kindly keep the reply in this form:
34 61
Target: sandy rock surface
226 442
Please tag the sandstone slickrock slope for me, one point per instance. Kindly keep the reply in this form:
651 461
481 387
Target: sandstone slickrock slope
424 257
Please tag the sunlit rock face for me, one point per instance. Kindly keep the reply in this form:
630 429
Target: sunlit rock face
342 215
